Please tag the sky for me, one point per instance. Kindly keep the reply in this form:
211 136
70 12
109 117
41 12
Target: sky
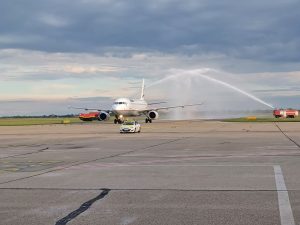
88 52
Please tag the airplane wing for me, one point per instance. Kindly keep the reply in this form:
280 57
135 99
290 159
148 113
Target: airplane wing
172 107
156 103
87 109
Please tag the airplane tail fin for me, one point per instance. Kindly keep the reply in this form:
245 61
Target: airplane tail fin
143 89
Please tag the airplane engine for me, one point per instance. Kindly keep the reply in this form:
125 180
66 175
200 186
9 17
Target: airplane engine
153 115
103 116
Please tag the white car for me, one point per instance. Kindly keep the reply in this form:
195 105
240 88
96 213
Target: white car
130 127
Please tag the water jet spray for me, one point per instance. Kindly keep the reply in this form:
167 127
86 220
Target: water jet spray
200 73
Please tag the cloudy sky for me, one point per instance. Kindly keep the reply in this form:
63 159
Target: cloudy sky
85 52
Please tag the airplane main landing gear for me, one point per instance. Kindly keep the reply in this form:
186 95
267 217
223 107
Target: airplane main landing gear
118 121
148 120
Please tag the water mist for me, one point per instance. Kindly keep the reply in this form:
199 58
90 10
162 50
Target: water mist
201 85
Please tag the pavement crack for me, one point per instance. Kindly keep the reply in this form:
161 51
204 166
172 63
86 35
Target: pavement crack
288 137
17 146
77 163
28 153
148 147
85 206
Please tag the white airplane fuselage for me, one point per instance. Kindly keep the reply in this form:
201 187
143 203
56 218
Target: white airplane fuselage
129 107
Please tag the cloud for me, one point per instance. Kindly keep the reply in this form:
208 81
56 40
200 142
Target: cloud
98 46
256 30
17 65
89 69
53 20
39 107
8 39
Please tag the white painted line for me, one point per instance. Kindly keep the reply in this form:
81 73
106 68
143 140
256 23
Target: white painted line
167 165
150 164
186 165
286 213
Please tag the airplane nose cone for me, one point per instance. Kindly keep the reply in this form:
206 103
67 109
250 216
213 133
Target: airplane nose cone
117 107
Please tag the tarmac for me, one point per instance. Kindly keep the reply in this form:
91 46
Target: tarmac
172 173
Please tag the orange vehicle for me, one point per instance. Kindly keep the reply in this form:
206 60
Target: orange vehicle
89 116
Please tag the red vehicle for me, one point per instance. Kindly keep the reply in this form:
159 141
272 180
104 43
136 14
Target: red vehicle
285 113
89 116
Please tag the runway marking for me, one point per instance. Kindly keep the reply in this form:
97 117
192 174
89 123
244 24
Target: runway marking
95 166
12 169
179 165
285 210
137 189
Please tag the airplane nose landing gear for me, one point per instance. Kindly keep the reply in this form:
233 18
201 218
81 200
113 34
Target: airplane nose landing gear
118 120
147 120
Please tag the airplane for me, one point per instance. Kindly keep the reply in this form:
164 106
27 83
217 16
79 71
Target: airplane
125 107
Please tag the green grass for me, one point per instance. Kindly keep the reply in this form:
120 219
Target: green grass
263 119
48 121
36 121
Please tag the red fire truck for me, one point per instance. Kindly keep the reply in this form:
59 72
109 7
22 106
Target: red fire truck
285 113
89 116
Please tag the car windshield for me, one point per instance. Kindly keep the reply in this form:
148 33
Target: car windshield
129 123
